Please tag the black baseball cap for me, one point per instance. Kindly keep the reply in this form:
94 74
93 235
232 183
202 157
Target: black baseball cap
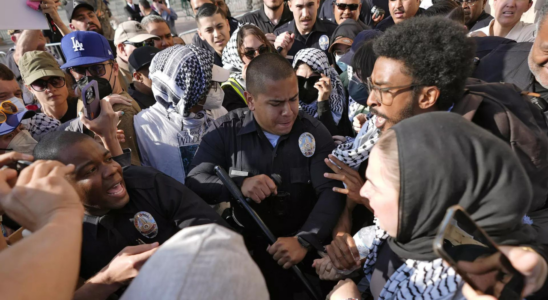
142 57
72 5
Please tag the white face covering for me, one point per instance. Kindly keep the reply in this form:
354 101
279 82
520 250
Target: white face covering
18 102
23 143
215 97
337 57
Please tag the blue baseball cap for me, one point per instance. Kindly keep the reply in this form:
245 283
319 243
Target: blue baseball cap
85 48
14 120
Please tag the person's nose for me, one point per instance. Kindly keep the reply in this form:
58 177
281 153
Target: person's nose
372 99
305 13
109 170
287 112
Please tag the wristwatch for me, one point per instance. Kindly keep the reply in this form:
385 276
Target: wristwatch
304 243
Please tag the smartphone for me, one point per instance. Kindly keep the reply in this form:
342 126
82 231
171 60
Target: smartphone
475 257
90 97
51 23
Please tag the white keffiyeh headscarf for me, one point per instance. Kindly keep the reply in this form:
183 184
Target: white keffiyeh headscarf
232 60
355 151
318 62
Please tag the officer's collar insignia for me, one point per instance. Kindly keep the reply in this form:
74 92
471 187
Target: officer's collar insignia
307 144
324 42
145 224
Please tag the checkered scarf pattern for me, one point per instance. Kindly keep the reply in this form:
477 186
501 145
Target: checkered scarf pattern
181 77
318 62
425 280
355 151
40 124
232 60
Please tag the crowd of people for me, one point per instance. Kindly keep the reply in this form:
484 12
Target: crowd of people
350 127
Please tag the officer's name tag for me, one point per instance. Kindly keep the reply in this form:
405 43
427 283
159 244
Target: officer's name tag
238 173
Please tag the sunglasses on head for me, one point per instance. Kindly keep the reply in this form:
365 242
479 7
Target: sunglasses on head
95 70
252 53
7 108
41 85
149 42
344 6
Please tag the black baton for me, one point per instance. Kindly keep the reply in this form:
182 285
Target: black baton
235 191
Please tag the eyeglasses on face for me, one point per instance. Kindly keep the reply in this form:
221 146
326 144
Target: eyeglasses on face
252 53
344 6
393 91
149 42
41 85
467 2
97 70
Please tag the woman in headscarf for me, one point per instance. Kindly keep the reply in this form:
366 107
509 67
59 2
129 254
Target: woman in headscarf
321 93
420 168
186 86
246 43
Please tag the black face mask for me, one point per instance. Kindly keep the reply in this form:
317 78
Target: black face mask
307 92
358 91
103 85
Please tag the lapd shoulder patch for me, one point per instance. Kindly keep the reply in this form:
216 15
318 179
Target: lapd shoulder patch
144 223
324 42
307 144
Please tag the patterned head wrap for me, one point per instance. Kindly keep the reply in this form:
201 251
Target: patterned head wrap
232 60
318 62
181 76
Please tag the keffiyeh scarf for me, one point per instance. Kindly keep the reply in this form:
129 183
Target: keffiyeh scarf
318 62
232 60
355 151
426 280
40 124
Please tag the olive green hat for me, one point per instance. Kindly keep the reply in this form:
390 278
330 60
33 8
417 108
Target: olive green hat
34 65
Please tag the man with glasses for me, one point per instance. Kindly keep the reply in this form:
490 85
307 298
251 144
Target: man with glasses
475 16
157 26
330 9
306 30
507 22
129 36
88 57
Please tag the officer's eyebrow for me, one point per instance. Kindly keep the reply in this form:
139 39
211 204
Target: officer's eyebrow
281 100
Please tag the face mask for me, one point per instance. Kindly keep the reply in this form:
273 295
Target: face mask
18 102
358 91
342 65
102 84
307 92
23 143
214 98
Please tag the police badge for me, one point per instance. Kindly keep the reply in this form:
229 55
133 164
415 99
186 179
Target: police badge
145 224
307 144
324 42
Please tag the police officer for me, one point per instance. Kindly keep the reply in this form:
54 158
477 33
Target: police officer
273 14
272 137
306 30
123 208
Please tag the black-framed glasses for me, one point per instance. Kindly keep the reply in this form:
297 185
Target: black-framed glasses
344 6
149 42
97 70
377 91
41 85
252 53
467 2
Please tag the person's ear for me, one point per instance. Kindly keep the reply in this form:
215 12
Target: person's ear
250 100
121 49
115 67
428 97
289 4
72 27
13 39
137 76
528 7
200 34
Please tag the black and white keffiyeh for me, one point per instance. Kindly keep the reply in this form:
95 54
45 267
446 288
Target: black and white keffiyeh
415 279
181 76
40 124
318 62
232 60
355 151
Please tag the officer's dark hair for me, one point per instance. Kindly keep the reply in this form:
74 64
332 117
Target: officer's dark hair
144 3
364 60
5 73
52 145
541 15
209 10
448 9
435 52
268 66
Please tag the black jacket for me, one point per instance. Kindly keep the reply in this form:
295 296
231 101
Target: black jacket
238 144
134 14
260 19
388 22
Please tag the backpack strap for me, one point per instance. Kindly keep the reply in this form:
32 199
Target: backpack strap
231 82
468 105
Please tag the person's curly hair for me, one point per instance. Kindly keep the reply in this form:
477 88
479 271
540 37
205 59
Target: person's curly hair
435 52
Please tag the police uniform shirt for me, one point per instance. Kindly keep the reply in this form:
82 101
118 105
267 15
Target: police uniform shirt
238 144
262 21
152 193
317 38
197 41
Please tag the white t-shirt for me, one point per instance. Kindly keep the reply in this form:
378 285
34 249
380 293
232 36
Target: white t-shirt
162 143
522 32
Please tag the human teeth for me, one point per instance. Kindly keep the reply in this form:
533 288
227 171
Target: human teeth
115 190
